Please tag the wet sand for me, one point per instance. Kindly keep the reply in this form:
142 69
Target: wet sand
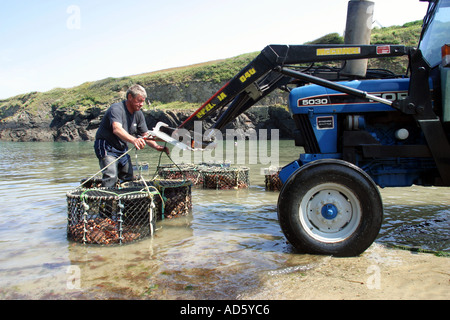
378 274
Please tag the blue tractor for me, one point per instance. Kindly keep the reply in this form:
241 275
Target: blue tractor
358 132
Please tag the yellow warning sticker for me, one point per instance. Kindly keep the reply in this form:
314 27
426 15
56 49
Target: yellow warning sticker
338 51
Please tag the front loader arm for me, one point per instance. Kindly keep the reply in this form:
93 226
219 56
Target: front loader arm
263 75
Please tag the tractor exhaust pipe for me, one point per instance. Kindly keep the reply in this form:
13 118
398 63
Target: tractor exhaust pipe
358 30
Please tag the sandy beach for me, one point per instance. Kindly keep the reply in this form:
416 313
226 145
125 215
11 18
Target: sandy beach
378 274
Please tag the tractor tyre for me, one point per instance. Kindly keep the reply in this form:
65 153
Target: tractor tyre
330 207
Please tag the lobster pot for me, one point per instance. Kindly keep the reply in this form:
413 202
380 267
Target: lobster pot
190 172
226 178
272 180
90 183
110 216
181 172
174 198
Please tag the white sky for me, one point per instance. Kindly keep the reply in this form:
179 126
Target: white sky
57 43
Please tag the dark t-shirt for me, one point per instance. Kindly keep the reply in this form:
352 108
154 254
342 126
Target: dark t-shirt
134 124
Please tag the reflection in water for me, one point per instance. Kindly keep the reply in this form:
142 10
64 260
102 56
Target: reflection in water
231 239
417 217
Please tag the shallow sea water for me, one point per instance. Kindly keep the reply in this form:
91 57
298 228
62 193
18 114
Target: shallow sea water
220 251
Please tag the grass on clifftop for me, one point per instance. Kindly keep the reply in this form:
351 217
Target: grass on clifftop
104 92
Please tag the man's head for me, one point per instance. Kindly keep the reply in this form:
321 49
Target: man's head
136 96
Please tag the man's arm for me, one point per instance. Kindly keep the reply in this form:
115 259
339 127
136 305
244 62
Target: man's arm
120 132
152 143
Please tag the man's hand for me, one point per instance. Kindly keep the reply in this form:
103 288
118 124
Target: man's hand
139 143
148 136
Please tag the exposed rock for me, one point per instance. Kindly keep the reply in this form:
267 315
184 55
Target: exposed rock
52 123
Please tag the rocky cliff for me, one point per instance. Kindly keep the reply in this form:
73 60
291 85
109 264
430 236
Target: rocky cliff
49 122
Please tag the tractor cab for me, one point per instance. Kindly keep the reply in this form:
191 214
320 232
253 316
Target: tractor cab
435 47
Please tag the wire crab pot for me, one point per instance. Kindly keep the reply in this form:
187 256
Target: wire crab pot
110 216
175 197
226 178
187 172
272 180
126 213
209 176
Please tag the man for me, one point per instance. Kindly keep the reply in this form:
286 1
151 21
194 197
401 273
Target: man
122 123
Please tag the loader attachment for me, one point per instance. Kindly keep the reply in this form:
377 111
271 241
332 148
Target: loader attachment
264 74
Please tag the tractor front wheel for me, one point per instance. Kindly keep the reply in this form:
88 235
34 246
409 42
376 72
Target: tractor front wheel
330 207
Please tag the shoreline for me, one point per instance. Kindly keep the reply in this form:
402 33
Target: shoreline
380 273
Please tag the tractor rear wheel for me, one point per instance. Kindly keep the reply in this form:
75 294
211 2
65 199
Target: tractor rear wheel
330 207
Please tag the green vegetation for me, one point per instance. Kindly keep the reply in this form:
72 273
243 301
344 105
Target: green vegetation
215 71
408 34
175 105
331 38
104 92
